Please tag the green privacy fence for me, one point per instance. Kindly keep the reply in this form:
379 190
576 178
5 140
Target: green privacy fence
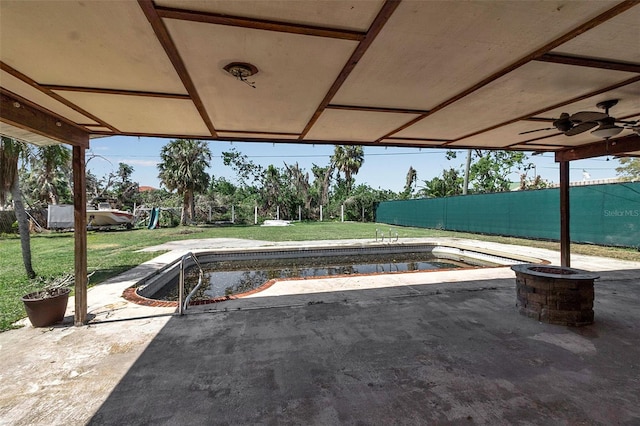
600 214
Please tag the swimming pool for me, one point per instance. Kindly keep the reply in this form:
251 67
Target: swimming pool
335 260
226 278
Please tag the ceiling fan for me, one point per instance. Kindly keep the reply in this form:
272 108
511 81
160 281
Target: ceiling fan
583 121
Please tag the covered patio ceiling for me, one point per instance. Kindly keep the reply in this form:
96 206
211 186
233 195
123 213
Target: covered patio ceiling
388 73
429 74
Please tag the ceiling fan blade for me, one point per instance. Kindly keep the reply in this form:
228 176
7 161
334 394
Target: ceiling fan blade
536 130
586 116
580 128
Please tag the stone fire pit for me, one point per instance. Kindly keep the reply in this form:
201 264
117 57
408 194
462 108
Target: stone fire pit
555 294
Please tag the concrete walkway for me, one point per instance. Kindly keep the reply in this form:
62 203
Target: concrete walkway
420 348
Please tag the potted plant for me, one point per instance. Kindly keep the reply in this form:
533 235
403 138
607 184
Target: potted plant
47 306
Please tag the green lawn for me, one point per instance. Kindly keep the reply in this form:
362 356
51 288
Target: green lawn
110 253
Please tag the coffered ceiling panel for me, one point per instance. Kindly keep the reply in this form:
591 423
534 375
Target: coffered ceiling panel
362 126
254 136
142 115
430 51
350 15
618 40
25 135
628 102
26 91
85 43
509 135
294 74
522 92
372 72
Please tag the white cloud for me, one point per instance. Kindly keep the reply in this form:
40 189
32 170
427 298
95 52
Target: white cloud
142 163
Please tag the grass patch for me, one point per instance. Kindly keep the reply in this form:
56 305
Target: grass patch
111 253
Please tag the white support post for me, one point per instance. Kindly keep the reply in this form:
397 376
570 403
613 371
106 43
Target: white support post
277 212
299 213
320 213
255 215
209 214
342 213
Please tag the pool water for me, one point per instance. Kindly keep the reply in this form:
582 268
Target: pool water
240 276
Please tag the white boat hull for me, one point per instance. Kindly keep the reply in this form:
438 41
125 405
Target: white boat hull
109 217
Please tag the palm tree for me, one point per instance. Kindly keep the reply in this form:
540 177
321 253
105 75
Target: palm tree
51 170
126 191
348 159
124 172
10 152
183 169
447 185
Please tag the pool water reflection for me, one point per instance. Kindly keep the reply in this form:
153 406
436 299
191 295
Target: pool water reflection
239 276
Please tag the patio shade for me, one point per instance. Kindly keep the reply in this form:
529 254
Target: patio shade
389 73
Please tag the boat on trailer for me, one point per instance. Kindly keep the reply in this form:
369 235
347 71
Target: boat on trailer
104 215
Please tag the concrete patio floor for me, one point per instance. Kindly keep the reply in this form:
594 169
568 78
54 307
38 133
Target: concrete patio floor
422 348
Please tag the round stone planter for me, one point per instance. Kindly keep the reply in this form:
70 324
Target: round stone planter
555 294
45 311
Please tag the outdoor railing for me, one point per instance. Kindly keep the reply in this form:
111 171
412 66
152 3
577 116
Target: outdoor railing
382 235
183 303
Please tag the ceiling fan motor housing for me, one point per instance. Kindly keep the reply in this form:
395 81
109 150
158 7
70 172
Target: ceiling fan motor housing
563 124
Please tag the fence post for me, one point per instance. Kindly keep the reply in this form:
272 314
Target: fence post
342 213
320 213
277 212
299 213
255 215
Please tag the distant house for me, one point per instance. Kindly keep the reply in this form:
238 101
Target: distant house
146 188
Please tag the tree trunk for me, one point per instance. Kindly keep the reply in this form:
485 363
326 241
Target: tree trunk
326 182
23 226
192 207
53 194
185 208
465 185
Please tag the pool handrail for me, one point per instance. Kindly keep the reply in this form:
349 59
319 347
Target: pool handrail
183 303
382 235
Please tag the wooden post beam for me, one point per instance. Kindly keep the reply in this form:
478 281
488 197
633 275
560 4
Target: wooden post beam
20 113
24 115
80 234
565 237
617 146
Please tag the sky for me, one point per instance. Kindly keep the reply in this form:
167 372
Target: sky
383 168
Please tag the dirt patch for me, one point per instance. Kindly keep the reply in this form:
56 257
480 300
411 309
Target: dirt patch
121 348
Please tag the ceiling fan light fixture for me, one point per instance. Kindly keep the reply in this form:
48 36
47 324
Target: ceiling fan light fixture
242 70
606 131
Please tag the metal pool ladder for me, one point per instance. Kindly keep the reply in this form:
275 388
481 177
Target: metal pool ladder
183 303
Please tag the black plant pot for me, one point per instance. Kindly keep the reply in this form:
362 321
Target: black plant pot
45 311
